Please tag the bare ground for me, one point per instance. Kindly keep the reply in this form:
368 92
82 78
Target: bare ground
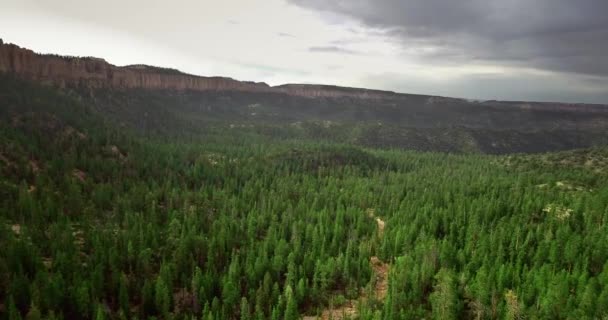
349 309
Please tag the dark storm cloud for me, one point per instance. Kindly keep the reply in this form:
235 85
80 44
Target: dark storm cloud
557 35
332 49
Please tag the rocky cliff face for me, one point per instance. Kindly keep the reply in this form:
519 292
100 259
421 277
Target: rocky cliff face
97 73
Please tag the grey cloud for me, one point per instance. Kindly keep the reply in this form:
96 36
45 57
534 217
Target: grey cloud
556 35
332 49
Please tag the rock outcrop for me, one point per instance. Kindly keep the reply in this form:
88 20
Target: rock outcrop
65 71
97 73
89 72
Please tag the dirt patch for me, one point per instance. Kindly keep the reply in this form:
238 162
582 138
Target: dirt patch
16 229
34 166
183 300
4 159
115 152
78 235
380 223
79 174
381 270
568 186
213 158
348 310
560 212
345 311
47 262
70 131
371 212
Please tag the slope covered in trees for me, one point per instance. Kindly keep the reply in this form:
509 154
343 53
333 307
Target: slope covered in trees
101 220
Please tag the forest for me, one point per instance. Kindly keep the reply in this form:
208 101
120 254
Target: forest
101 220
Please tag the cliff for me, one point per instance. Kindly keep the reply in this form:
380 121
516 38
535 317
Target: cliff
97 73
65 71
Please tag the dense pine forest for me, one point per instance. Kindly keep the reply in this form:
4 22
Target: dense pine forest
103 219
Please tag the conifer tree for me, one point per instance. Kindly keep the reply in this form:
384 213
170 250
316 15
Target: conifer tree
99 313
123 294
33 313
444 298
245 311
162 297
291 309
13 312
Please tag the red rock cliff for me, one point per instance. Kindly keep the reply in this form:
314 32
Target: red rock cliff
97 73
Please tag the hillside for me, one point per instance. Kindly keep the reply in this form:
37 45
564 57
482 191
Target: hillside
109 210
304 160
163 101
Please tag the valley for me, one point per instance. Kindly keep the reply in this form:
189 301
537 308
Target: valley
125 197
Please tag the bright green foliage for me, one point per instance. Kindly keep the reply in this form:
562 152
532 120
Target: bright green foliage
291 309
245 311
444 299
99 313
163 296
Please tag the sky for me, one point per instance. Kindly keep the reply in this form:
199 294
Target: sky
541 50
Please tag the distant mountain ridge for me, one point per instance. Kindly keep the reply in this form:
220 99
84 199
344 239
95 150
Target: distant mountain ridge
97 73
166 101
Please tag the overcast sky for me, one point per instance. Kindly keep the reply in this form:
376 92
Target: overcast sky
548 50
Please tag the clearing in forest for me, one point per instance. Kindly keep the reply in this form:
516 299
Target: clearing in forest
348 310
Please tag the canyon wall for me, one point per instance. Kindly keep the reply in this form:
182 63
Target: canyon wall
65 71
97 73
